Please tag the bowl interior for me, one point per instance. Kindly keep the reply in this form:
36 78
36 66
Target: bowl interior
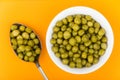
96 16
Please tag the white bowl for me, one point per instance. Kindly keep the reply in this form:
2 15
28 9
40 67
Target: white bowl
99 18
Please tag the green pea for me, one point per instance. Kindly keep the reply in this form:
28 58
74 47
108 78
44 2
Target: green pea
88 64
20 41
26 58
59 23
36 41
77 20
25 42
85 38
65 61
60 34
14 47
104 39
28 30
65 42
84 55
82 47
95 60
22 28
54 35
81 32
85 27
74 33
91 51
59 41
96 55
96 46
76 55
64 21
69 29
103 45
88 17
61 50
20 55
13 27
68 46
84 21
55 49
72 41
79 65
64 55
67 35
63 28
78 60
70 18
15 33
57 54
53 41
90 59
99 37
78 39
19 37
28 48
83 62
91 30
72 64
87 43
31 59
21 48
35 47
101 32
13 41
94 39
31 43
70 53
74 49
37 51
25 35
96 25
71 24
28 54
32 35
89 23
56 29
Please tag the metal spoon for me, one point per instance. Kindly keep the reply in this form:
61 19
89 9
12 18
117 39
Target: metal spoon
36 61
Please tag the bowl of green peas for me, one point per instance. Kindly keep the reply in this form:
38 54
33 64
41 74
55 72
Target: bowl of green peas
79 40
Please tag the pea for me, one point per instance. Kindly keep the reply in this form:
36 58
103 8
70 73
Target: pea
61 50
95 60
64 21
56 29
65 61
74 33
89 23
31 43
85 27
96 25
78 60
22 28
25 35
26 58
15 33
71 24
81 32
88 64
87 43
101 52
13 27
59 23
83 62
72 41
60 34
54 35
70 18
103 45
101 32
20 55
29 54
13 41
31 59
91 30
70 53
64 55
32 35
63 28
90 59
77 20
84 21
67 35
20 41
19 37
94 39
72 64
82 47
76 55
104 39
74 49
57 54
69 29
28 48
91 51
37 50
36 41
78 39
68 47
28 30
88 17
85 38
55 49
21 48
59 41
79 65
65 42
84 55
96 46
53 41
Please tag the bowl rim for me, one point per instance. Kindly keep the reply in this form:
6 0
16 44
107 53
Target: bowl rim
98 17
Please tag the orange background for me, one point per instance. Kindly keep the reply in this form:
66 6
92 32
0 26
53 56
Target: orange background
38 14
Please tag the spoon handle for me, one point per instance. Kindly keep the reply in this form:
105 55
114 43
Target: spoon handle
41 71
